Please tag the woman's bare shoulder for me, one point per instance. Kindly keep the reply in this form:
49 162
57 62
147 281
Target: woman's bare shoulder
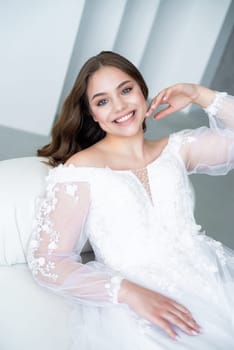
89 157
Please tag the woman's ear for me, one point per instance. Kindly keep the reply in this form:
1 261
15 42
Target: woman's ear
94 118
92 115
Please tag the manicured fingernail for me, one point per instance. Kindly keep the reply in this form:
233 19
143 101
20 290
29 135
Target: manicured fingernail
194 332
177 337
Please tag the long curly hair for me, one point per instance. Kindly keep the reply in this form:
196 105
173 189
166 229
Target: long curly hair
75 129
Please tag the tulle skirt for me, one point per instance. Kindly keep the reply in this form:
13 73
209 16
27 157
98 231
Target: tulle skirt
117 327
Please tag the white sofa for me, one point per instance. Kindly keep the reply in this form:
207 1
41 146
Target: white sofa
30 317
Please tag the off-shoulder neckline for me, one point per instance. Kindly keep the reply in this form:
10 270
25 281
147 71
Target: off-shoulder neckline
150 164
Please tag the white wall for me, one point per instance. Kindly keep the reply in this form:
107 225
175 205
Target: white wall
181 41
37 39
44 43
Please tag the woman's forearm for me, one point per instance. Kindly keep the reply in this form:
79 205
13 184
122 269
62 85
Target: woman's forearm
204 96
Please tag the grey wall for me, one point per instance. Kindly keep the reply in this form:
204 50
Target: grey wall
15 143
224 77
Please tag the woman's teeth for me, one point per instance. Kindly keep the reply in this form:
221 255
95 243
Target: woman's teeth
126 117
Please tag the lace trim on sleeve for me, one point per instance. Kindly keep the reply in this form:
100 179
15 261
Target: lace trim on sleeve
113 288
213 108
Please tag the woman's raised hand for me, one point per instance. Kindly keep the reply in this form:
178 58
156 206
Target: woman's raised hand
179 96
176 97
158 309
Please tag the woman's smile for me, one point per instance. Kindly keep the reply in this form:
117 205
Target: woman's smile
125 118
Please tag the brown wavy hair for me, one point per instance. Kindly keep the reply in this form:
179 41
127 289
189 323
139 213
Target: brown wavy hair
75 129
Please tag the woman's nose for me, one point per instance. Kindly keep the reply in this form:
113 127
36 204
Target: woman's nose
119 104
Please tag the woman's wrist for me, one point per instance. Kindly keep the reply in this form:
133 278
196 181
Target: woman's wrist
204 96
124 289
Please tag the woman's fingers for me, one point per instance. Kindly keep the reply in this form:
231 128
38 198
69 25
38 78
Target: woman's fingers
173 314
166 326
180 307
156 102
168 320
187 326
186 319
185 315
164 112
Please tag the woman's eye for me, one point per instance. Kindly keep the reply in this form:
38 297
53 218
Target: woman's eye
102 102
126 90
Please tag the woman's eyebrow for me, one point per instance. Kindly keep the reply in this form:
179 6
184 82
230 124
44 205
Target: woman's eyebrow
123 83
118 87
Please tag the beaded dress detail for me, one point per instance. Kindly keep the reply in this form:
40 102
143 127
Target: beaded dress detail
142 175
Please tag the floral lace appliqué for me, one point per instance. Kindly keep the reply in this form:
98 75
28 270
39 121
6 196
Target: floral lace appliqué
45 231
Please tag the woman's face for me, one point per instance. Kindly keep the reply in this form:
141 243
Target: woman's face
116 101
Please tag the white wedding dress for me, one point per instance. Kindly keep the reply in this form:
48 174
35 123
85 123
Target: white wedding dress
141 227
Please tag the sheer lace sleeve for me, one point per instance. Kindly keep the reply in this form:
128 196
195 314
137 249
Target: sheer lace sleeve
56 244
211 150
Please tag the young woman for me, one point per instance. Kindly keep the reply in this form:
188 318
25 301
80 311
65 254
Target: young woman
156 277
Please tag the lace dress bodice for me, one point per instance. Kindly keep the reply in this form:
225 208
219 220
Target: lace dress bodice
140 224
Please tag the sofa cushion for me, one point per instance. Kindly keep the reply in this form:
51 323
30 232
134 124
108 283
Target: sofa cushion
31 317
21 181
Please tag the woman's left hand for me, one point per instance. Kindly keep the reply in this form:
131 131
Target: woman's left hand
176 97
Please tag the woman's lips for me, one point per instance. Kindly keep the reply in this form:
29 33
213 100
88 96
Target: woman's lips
125 117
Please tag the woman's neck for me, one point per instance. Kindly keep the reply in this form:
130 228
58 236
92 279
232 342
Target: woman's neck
127 148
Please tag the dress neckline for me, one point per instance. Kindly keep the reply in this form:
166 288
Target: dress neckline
146 167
